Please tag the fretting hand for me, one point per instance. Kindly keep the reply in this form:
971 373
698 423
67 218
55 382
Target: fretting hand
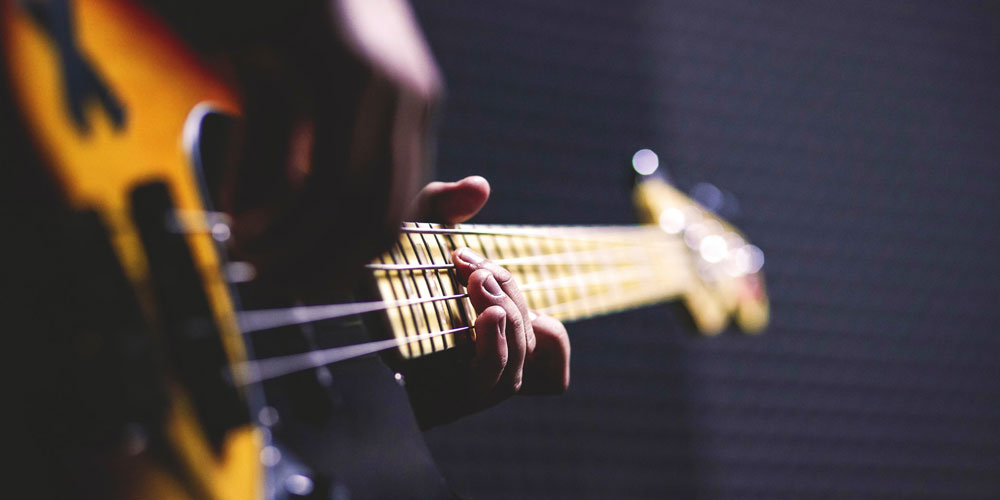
517 350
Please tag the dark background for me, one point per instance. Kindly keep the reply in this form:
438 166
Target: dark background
861 140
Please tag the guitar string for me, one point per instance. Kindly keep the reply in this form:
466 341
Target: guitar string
264 369
266 319
255 371
546 259
612 234
583 280
260 370
642 293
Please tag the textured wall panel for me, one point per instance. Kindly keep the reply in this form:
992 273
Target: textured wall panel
861 139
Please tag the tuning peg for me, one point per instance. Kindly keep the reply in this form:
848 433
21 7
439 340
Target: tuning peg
721 202
646 164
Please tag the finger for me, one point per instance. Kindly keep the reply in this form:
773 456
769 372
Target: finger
467 262
491 350
450 202
484 293
546 368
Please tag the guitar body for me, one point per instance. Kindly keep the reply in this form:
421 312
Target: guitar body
108 109
132 137
133 378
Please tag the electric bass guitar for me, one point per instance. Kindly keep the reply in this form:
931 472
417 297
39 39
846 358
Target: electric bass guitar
157 390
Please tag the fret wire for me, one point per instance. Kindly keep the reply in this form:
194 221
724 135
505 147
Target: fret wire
543 271
504 262
673 289
562 294
260 370
427 282
428 344
405 314
498 246
409 287
522 273
614 267
575 269
452 308
257 320
653 294
543 297
470 243
439 308
482 246
582 271
585 278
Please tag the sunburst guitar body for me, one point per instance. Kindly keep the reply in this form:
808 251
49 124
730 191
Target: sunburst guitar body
154 377
107 93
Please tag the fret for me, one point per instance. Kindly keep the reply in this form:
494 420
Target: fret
567 272
488 246
445 285
400 320
613 266
559 270
432 310
546 297
412 289
577 294
468 314
525 274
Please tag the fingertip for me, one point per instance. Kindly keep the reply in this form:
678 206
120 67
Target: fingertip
496 317
477 183
463 199
491 349
463 269
550 363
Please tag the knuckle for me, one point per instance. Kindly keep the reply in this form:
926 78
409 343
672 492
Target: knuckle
517 322
479 276
503 276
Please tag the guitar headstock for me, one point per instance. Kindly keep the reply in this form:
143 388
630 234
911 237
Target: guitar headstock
726 279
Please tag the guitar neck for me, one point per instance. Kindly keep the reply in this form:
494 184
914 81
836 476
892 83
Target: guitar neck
567 272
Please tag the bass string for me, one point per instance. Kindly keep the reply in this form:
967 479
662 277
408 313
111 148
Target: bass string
267 319
255 371
595 234
260 370
615 298
616 256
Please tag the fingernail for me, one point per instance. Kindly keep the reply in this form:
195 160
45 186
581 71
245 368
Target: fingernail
532 315
492 287
467 255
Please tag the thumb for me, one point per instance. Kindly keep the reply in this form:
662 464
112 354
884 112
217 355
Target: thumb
450 202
